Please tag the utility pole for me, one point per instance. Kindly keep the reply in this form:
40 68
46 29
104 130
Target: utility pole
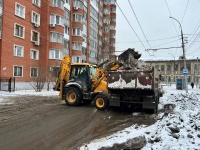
183 47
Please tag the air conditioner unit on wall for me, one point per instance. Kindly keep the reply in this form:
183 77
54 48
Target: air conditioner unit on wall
75 8
36 25
36 43
52 25
50 68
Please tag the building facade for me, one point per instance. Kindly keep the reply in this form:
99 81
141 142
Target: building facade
36 34
170 70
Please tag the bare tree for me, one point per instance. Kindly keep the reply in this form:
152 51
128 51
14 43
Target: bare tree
39 79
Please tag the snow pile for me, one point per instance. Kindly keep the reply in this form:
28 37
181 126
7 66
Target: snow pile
29 92
5 101
177 126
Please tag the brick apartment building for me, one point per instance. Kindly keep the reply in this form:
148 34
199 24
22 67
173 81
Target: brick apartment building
36 34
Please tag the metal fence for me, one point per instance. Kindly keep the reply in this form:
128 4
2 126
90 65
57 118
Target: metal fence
7 84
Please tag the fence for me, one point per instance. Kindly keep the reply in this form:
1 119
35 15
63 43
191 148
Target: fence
7 84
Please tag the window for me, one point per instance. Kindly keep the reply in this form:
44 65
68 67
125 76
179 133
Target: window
34 72
66 30
37 2
157 67
55 54
93 22
113 19
17 71
66 47
18 51
66 17
78 3
168 67
77 46
35 36
93 12
55 71
19 30
58 3
35 18
56 19
106 11
34 54
113 10
56 37
19 10
76 59
78 18
162 67
67 2
77 32
106 20
112 27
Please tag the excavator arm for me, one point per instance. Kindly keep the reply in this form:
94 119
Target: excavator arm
63 76
101 74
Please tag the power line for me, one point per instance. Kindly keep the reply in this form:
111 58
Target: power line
194 51
185 11
171 15
130 25
138 22
149 40
165 43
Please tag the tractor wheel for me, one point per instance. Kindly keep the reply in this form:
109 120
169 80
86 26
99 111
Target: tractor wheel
73 96
101 102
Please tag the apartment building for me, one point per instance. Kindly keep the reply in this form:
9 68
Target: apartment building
172 69
36 34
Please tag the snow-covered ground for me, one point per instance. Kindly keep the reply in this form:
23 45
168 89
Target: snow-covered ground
178 129
5 100
175 130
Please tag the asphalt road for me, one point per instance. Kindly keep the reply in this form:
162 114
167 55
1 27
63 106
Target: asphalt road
45 123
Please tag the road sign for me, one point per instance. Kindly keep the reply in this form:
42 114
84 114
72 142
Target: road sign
171 75
185 71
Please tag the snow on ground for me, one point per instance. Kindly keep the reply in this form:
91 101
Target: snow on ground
4 96
177 130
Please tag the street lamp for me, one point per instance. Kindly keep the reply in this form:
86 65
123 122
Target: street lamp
183 47
174 62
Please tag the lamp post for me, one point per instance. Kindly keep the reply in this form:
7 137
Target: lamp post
183 47
174 62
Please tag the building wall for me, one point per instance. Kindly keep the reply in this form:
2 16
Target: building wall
170 75
51 52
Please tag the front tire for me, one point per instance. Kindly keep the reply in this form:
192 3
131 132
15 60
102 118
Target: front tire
101 102
73 96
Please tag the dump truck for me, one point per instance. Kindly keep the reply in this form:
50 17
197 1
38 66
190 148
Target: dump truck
126 81
137 83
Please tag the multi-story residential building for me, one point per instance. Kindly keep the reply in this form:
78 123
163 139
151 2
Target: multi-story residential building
36 34
172 69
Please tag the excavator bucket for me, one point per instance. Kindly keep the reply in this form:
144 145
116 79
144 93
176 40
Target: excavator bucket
127 54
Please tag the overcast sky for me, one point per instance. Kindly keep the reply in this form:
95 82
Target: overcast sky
158 28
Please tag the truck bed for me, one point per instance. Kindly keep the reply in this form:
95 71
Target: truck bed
130 80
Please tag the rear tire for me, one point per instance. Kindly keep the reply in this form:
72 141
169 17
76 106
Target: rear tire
73 96
101 102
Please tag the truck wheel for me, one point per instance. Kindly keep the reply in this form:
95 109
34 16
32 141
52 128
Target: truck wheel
101 102
73 96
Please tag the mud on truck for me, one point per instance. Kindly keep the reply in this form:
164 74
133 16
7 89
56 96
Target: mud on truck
126 81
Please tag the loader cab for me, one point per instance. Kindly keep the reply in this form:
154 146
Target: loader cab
82 73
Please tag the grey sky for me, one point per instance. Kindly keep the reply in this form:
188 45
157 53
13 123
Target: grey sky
153 16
